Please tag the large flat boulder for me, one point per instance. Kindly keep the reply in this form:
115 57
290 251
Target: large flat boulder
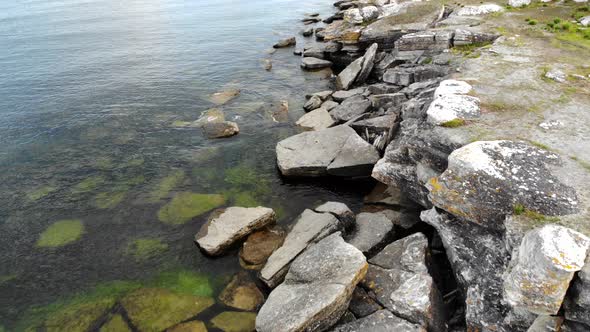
486 180
326 152
230 225
317 289
316 120
309 228
540 273
351 108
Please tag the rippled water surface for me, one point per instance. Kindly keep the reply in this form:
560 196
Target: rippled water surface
91 92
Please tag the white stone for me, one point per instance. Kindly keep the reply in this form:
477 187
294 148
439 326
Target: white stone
353 16
480 10
450 107
585 21
233 224
519 3
452 87
540 272
553 124
556 75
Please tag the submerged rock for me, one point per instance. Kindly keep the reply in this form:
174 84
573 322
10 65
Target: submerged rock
259 246
241 293
287 42
380 321
155 309
117 324
185 206
78 317
519 3
310 227
234 321
468 187
315 63
317 289
223 97
231 225
61 233
192 326
220 129
540 273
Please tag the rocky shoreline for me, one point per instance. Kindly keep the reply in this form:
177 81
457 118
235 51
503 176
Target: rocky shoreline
460 234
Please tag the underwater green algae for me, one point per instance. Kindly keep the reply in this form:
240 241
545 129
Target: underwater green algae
235 321
156 309
185 282
40 193
7 278
79 317
109 200
145 248
115 324
245 199
88 184
61 233
186 205
165 185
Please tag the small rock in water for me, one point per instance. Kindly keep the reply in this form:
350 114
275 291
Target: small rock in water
314 63
267 63
540 273
220 129
241 293
341 95
307 32
259 246
316 291
287 42
208 116
340 210
230 225
223 97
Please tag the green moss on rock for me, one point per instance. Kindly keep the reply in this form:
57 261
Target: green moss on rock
146 248
61 233
185 206
453 123
235 321
165 185
185 282
6 278
88 184
156 309
78 317
41 192
192 326
109 200
115 324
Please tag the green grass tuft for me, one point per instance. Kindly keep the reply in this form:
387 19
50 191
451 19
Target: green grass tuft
453 123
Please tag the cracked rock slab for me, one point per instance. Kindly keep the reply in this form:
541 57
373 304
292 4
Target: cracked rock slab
380 321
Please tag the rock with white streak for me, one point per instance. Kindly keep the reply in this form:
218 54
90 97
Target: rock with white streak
451 107
546 323
287 42
309 228
231 225
342 95
540 273
316 291
468 187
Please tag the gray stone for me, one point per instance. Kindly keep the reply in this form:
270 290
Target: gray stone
417 88
323 95
380 321
425 40
379 124
361 304
469 37
340 211
329 105
468 187
577 303
312 103
479 10
341 95
367 65
405 75
307 32
315 63
399 279
220 129
316 120
309 228
230 226
545 323
314 52
351 108
356 158
347 77
453 107
287 42
387 100
317 289
557 75
371 232
383 88
540 273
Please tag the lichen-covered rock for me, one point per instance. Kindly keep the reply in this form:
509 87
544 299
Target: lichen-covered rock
232 224
380 321
452 87
398 277
317 289
540 273
577 302
309 228
469 188
117 324
371 232
78 317
478 257
155 309
223 97
453 107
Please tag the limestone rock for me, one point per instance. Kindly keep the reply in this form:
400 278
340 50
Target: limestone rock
316 120
234 321
519 3
231 225
309 228
368 62
452 87
192 326
371 232
380 321
351 108
315 63
356 158
312 103
468 188
342 95
259 246
540 274
340 211
361 15
484 9
220 129
545 323
405 75
347 77
452 107
287 42
317 289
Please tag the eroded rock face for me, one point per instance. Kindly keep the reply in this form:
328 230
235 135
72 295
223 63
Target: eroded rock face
317 289
540 273
380 321
334 151
309 228
231 225
468 188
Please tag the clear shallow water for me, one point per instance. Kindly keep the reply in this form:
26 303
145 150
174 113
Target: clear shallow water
89 92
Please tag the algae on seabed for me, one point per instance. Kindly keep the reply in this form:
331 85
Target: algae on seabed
186 205
145 248
165 186
61 233
235 321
